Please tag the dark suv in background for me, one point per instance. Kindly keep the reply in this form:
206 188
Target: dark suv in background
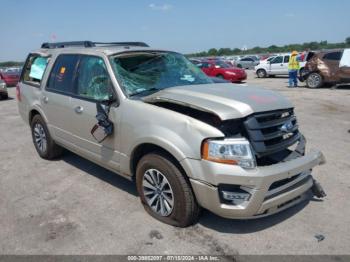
327 67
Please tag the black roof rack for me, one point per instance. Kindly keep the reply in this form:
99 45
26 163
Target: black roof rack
90 44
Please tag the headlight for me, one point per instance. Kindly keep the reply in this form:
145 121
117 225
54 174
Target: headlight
229 151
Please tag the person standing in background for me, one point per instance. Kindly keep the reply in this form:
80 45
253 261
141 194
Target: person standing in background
293 67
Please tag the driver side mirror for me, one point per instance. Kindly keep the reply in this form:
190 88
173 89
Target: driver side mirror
112 98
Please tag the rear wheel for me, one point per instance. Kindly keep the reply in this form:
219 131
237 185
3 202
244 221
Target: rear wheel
44 144
314 80
165 192
261 73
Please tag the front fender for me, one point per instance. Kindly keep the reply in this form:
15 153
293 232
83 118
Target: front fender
176 133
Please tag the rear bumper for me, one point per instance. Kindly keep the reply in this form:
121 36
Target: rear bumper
266 186
11 82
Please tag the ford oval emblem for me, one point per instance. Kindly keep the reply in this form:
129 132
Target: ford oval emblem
287 127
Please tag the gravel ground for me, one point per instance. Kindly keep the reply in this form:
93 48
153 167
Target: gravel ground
72 206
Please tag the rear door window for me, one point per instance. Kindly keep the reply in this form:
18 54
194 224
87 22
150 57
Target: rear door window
336 56
63 74
34 69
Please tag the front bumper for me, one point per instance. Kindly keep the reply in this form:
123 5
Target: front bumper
239 78
265 197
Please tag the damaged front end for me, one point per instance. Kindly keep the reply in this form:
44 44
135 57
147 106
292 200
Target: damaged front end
274 138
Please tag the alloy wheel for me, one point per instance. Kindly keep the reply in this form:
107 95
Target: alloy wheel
40 137
314 80
158 192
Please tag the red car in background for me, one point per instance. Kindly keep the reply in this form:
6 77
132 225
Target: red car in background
217 68
10 76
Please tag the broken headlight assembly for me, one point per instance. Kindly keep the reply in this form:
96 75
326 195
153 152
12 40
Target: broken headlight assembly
229 151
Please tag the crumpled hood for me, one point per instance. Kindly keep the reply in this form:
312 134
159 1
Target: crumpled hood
227 101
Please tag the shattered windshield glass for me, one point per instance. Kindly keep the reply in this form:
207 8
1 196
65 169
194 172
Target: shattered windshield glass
144 72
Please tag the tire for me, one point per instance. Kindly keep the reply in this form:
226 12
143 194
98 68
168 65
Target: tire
47 148
4 96
314 80
301 74
184 209
220 76
261 73
239 66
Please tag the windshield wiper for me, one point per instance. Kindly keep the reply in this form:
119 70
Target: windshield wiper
144 91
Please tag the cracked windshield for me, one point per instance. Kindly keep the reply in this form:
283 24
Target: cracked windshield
145 72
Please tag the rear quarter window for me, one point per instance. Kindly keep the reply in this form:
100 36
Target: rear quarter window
336 56
34 69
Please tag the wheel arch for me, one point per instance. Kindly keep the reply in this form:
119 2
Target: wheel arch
36 111
146 148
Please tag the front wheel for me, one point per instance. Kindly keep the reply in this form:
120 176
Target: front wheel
165 192
261 73
314 80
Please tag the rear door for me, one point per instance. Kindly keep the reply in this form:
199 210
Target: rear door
332 61
284 68
56 98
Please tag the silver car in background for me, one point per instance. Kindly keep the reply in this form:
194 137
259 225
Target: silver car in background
247 62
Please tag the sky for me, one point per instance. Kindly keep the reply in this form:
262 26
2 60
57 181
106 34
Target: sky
183 26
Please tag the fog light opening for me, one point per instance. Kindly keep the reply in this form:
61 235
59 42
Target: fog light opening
235 198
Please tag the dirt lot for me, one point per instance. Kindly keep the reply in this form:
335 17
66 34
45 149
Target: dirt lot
72 206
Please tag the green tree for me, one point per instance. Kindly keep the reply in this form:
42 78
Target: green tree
224 51
212 52
236 51
10 63
347 40
275 49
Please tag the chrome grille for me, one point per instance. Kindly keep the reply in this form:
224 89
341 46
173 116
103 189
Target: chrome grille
271 132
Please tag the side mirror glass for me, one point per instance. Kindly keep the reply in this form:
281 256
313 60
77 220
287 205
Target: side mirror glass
98 132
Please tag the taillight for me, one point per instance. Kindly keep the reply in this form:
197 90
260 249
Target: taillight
18 92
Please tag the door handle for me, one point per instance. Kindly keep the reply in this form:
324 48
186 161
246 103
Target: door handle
281 64
78 109
45 99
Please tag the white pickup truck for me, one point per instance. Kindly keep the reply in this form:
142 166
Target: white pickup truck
276 66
